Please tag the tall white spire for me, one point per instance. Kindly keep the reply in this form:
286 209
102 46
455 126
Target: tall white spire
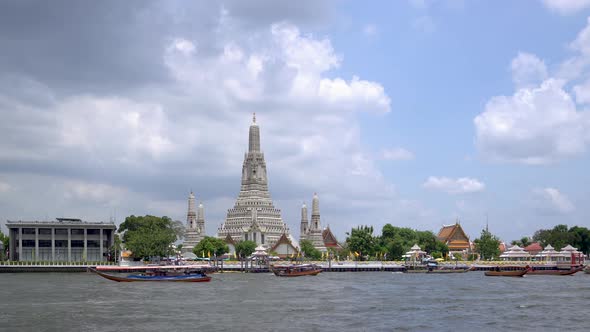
315 231
254 200
201 218
315 212
304 223
191 214
254 136
195 225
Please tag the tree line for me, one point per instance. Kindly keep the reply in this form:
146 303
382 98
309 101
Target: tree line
150 236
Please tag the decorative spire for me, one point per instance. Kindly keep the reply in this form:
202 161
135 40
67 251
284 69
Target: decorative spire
201 218
304 212
254 117
254 136
191 214
315 205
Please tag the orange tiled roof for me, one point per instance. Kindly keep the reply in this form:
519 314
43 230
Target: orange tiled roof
534 247
445 232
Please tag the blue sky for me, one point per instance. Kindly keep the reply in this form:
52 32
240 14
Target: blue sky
415 113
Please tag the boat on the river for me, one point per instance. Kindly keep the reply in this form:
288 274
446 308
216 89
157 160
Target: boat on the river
434 267
296 270
168 274
587 270
555 272
508 271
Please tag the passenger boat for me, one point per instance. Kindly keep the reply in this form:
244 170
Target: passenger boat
513 271
296 270
587 270
160 274
555 272
433 267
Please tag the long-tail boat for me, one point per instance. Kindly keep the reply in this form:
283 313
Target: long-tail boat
555 272
518 271
296 270
160 274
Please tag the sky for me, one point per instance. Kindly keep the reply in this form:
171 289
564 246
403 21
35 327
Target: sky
413 113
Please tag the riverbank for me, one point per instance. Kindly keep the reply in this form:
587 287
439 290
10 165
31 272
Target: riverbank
235 266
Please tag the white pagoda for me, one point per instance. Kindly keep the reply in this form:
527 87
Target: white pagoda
254 216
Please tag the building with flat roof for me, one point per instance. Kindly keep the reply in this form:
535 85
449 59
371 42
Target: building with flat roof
66 239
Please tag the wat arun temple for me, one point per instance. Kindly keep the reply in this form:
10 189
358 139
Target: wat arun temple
254 216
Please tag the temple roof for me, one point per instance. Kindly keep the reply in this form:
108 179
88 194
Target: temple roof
329 238
533 247
229 240
284 239
448 231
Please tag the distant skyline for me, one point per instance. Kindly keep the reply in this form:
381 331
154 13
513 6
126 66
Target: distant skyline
415 113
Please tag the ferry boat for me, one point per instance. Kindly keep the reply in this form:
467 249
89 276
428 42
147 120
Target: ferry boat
540 271
160 273
508 271
433 267
296 270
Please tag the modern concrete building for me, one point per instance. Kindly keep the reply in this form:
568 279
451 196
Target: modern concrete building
254 216
65 239
195 225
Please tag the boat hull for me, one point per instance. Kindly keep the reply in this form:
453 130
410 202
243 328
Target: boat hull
132 278
554 272
296 271
517 273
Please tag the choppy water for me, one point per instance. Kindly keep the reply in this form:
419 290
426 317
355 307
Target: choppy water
372 301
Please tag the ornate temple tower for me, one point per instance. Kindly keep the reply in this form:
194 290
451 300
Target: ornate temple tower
315 230
254 216
191 216
195 225
201 218
304 223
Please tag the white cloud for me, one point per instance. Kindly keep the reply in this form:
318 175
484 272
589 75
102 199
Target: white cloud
160 141
370 30
582 92
551 200
566 7
534 126
454 186
527 70
4 187
397 154
121 128
93 192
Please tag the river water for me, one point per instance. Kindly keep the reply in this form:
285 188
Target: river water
359 301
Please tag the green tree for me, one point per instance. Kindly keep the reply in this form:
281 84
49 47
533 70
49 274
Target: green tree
4 239
487 245
211 245
309 250
558 237
245 248
525 241
148 236
397 241
580 238
361 240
